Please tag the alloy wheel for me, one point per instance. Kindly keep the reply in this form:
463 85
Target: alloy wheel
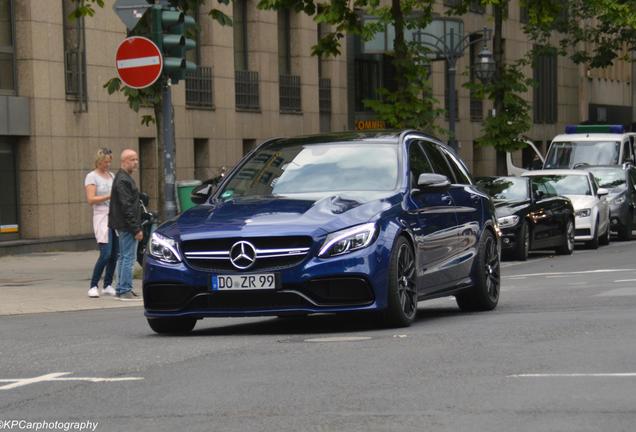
570 235
492 270
407 293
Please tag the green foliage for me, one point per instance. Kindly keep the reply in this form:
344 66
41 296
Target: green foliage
505 130
85 8
137 98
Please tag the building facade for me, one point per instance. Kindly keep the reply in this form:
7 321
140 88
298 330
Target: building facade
255 80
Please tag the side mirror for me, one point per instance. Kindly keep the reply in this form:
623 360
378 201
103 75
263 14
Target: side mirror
143 196
601 192
200 194
431 182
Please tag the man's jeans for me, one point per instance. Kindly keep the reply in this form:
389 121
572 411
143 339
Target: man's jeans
126 261
108 259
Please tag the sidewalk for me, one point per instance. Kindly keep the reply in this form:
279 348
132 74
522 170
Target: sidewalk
52 282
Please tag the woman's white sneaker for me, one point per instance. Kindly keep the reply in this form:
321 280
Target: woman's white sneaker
109 291
93 292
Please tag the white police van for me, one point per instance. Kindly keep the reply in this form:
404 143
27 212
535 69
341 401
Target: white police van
583 145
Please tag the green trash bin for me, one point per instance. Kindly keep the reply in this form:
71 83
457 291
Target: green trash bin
184 189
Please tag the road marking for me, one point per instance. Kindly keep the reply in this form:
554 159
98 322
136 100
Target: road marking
577 283
557 277
576 375
339 339
618 292
570 273
59 376
625 280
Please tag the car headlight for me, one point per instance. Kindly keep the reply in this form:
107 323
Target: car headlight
348 240
620 200
164 249
583 213
508 221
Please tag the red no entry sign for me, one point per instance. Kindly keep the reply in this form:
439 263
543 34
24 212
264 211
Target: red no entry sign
138 61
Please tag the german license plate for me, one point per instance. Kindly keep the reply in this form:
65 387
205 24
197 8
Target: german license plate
260 281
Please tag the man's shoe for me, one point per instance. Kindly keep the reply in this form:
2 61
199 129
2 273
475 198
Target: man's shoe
93 292
109 290
134 293
128 296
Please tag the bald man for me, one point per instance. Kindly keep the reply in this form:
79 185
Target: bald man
125 218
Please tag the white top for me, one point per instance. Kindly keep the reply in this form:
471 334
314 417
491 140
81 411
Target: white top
102 185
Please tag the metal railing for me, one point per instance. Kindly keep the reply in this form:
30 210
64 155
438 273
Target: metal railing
246 87
75 73
476 110
289 93
199 92
324 95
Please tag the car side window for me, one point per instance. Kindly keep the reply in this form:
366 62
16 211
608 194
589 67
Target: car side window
418 163
627 154
438 161
460 172
632 175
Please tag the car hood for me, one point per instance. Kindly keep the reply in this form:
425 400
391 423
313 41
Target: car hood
507 208
275 216
582 201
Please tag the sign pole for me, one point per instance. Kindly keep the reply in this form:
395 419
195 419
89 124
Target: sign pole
167 122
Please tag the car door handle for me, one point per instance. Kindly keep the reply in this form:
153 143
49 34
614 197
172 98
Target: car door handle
447 199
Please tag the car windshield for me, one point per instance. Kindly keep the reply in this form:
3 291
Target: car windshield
280 169
609 178
568 154
565 184
505 188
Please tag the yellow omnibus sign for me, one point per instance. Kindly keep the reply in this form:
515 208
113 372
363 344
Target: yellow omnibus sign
370 124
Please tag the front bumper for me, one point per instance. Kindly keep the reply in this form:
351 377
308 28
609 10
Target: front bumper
619 216
354 282
583 228
509 238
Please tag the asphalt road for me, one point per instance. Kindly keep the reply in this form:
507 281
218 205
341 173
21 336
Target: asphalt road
558 354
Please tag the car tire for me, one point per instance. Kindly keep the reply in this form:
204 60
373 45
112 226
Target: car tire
567 243
605 238
402 294
523 246
625 233
172 325
593 244
484 294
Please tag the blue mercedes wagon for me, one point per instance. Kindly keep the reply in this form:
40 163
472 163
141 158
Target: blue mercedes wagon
336 223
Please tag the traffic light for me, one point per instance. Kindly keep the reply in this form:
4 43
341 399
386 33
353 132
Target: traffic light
170 31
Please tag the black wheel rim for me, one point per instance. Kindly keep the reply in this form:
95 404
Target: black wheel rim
570 235
492 270
526 243
407 293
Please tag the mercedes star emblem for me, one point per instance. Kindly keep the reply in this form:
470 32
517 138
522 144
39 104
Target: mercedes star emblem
242 255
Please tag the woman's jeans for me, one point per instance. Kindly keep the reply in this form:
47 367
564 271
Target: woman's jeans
108 259
126 262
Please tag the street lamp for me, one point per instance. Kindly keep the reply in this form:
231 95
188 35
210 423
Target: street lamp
445 40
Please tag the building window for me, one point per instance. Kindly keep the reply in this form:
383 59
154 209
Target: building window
452 3
7 47
201 159
240 34
289 84
476 104
9 195
324 104
476 7
74 56
248 145
198 83
545 90
524 18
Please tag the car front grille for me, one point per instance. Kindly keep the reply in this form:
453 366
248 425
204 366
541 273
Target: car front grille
271 253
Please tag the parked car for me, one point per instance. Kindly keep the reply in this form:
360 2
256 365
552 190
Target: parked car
529 221
585 145
621 184
590 205
337 223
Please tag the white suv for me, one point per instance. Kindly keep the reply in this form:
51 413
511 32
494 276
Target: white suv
582 145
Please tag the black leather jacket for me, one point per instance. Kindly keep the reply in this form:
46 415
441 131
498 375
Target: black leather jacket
125 210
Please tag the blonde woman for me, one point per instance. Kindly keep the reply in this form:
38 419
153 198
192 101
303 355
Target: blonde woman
98 184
